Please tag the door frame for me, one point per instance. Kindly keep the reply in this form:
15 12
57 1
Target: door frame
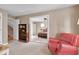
30 26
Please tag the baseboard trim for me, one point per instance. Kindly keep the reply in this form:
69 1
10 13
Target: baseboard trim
5 44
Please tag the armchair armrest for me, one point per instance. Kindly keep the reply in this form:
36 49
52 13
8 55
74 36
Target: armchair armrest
52 44
67 50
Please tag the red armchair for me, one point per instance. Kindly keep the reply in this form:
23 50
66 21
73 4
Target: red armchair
65 44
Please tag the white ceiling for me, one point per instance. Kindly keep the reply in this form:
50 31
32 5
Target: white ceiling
24 9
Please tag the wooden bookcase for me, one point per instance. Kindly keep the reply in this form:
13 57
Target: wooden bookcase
23 32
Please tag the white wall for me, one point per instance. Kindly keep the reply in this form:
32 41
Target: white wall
34 29
16 29
4 27
0 28
38 27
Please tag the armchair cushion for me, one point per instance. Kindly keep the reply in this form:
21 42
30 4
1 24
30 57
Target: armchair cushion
67 37
67 50
64 42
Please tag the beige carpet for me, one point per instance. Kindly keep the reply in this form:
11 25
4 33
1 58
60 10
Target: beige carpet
31 48
38 39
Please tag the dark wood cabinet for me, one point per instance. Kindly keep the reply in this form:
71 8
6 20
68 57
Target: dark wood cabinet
23 32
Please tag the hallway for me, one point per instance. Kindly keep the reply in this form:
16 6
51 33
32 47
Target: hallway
39 39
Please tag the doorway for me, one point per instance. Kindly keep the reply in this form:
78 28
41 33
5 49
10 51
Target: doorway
13 33
39 28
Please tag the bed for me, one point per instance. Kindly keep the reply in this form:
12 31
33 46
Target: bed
42 34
